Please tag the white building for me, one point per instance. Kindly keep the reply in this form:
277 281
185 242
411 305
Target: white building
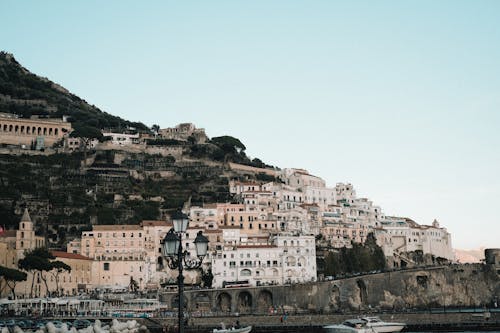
399 235
286 259
122 139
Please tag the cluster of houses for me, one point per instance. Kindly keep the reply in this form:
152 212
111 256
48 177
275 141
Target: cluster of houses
268 238
40 133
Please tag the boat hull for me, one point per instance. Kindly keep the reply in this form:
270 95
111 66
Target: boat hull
245 329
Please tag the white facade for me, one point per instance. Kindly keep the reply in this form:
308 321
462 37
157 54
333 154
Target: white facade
402 235
288 259
122 139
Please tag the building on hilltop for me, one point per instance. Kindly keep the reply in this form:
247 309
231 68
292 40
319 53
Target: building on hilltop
42 132
183 132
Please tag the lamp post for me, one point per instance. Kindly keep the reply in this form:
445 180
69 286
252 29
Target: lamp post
177 258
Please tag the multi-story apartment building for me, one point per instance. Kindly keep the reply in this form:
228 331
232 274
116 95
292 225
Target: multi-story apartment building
280 260
399 235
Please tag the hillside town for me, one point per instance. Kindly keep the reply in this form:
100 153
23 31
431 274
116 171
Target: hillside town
267 234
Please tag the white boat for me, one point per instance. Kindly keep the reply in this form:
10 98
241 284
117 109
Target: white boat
365 325
245 329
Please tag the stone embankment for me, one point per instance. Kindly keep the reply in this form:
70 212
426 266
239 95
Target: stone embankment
482 320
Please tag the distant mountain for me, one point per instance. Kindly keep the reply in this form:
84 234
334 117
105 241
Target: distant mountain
26 94
469 256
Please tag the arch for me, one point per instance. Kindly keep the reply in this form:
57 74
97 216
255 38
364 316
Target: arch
274 272
10 128
202 302
56 131
5 127
22 129
45 131
16 129
302 262
291 261
335 298
50 131
175 302
245 272
244 304
264 301
223 302
39 131
33 130
289 273
363 294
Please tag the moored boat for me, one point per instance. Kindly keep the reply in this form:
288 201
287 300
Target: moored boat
245 329
365 325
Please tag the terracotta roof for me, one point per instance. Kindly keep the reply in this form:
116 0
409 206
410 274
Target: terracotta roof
62 254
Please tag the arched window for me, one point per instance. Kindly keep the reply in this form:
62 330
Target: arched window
50 131
17 128
22 129
10 128
45 131
245 272
56 131
39 131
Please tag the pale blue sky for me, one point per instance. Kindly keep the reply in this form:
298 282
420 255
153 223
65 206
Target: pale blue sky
400 98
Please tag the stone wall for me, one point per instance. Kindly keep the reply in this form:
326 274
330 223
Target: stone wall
468 285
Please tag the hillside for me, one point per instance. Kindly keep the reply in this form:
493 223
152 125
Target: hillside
67 193
26 94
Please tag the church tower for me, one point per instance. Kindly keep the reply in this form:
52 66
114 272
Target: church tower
25 236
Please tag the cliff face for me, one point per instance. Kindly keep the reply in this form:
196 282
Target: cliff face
454 285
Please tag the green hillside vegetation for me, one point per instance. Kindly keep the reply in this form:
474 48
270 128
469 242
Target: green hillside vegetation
68 193
365 257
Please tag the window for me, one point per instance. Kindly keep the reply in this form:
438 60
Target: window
106 266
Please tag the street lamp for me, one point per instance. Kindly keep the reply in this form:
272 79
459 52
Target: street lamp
177 258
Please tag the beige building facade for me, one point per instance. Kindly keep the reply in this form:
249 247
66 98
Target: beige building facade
20 131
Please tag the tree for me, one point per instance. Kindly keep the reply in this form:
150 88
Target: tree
37 260
207 277
229 144
133 285
11 277
86 134
156 129
57 268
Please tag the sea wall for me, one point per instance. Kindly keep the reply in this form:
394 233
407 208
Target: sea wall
468 285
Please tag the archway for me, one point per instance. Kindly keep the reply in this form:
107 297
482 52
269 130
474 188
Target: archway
202 303
175 302
244 302
363 295
223 302
264 301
